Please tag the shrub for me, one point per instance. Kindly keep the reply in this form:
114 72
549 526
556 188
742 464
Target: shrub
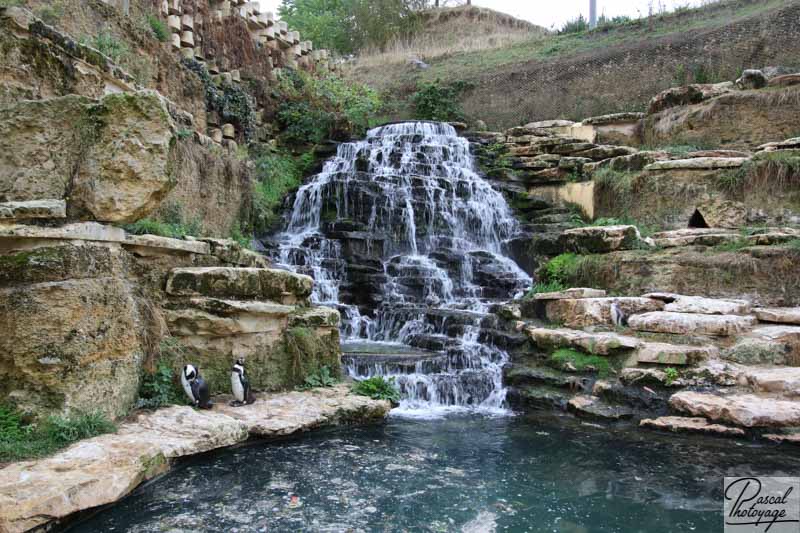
277 173
321 378
51 14
541 287
438 101
160 388
671 375
20 440
378 388
575 25
581 361
562 268
159 29
172 224
107 44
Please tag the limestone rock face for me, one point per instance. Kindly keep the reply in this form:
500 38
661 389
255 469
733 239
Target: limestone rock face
691 324
672 354
569 294
679 303
780 315
746 410
33 209
244 283
116 148
601 239
787 337
70 336
698 163
594 407
686 95
597 343
583 312
779 380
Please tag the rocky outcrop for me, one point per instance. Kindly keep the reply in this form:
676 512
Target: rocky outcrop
601 239
103 469
681 424
746 410
595 343
583 312
690 323
107 158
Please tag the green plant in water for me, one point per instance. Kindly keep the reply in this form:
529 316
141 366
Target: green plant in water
670 375
377 388
580 361
321 378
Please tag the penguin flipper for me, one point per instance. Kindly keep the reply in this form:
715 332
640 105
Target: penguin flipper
203 394
249 397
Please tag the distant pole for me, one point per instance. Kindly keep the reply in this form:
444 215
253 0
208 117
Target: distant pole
592 13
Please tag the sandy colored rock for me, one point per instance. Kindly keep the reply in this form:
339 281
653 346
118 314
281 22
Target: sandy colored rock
781 380
690 425
786 336
154 245
679 303
694 236
698 163
601 239
691 324
577 292
583 312
687 95
33 209
104 469
109 155
600 152
594 407
673 354
747 410
245 283
756 351
595 343
780 315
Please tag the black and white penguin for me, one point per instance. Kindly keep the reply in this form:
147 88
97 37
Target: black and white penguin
196 387
618 317
240 385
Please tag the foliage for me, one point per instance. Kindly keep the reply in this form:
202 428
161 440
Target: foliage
276 174
540 287
575 25
314 109
160 387
671 375
236 235
377 388
619 182
52 13
172 224
107 44
438 101
321 378
11 3
580 361
20 440
561 268
347 26
159 29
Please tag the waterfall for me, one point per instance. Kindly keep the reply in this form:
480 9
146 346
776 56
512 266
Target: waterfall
403 236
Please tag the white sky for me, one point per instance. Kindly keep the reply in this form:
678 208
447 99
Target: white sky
553 13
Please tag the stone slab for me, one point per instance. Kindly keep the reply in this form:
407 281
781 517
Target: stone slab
33 209
684 424
148 244
594 407
578 292
679 303
596 343
610 311
240 283
779 315
673 354
781 380
698 163
691 324
747 410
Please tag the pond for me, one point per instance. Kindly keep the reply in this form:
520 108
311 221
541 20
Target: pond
462 472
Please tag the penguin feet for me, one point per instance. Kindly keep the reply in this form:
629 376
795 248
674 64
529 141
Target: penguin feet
236 403
207 405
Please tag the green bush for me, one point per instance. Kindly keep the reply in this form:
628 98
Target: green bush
159 29
160 388
575 25
377 388
20 440
321 378
541 287
107 44
277 173
439 101
580 361
172 223
671 375
562 268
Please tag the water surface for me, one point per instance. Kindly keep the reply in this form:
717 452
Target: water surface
457 473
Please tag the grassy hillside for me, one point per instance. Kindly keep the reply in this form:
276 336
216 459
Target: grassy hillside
614 68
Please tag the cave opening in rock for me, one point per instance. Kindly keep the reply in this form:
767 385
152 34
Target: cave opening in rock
697 220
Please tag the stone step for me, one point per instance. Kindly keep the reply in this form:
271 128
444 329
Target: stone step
602 239
268 284
673 354
679 303
33 209
785 381
584 312
691 324
779 315
594 407
681 424
595 343
747 410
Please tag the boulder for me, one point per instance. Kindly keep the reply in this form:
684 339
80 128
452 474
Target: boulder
754 351
627 163
613 118
691 324
751 79
682 424
546 124
745 410
786 336
215 318
679 303
698 163
240 283
594 343
788 144
694 237
599 153
780 315
787 80
107 158
594 407
33 209
673 354
784 381
583 312
601 239
687 95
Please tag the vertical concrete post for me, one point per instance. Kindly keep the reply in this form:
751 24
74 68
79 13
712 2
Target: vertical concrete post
592 13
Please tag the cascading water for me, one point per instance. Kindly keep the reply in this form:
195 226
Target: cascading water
402 235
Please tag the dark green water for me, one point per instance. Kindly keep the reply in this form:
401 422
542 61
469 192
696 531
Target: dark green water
461 473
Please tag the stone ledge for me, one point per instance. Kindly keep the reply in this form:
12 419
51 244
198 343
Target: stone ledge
33 209
103 469
747 410
698 163
690 425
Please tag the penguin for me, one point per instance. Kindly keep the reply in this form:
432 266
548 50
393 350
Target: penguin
618 316
241 386
196 387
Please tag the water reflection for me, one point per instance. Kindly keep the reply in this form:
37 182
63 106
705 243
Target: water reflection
454 474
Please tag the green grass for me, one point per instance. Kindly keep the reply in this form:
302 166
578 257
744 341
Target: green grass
322 377
671 375
542 287
148 226
277 173
794 245
20 440
159 29
580 361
